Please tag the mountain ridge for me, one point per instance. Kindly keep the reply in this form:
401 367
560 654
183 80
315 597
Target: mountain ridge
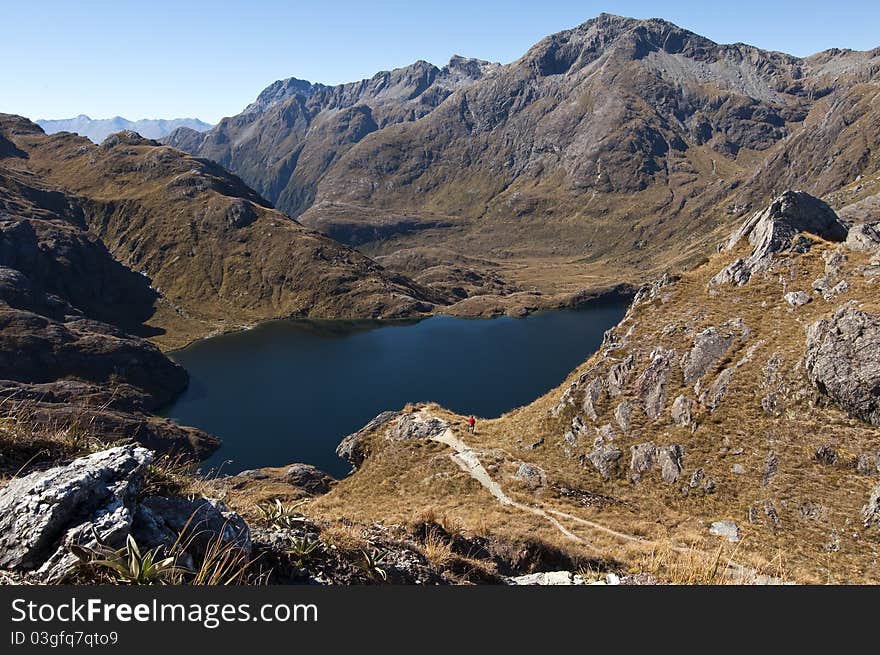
97 130
621 140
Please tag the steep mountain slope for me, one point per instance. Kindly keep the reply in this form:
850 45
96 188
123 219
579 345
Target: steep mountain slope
68 360
625 145
287 139
99 129
216 253
735 407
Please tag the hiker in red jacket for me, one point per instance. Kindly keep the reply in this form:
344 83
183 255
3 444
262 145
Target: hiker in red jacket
471 423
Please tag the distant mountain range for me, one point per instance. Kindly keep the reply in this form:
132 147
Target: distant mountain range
623 144
98 129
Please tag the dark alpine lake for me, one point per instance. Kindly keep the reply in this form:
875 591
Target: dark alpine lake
289 391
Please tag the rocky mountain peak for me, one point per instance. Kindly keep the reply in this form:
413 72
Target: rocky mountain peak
469 67
279 91
127 138
607 33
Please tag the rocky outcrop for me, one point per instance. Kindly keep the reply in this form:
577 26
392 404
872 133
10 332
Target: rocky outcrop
547 578
353 448
592 394
682 408
643 457
41 512
797 298
605 458
159 521
774 229
309 478
618 376
709 346
868 463
35 348
622 414
94 500
871 511
531 475
415 426
670 458
842 359
864 237
651 384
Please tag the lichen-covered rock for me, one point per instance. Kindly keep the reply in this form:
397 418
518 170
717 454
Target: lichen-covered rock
842 359
592 394
622 414
798 298
550 578
159 521
40 511
871 511
681 411
709 346
605 458
771 465
700 479
670 460
416 426
868 463
826 455
829 291
651 384
531 475
864 237
774 229
642 460
650 291
834 261
712 396
95 500
618 376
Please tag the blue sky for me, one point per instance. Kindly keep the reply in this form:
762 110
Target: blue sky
162 59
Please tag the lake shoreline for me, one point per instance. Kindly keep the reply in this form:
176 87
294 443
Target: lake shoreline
573 301
290 390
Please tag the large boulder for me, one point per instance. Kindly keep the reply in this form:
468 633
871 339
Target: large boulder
531 475
774 229
842 360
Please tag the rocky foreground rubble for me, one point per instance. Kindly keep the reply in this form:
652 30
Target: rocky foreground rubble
97 501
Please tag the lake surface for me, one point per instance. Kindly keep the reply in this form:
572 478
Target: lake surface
289 391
